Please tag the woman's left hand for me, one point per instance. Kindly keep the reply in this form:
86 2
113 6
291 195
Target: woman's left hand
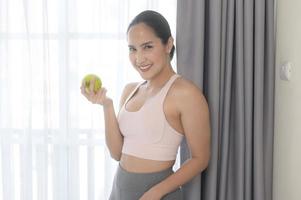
151 195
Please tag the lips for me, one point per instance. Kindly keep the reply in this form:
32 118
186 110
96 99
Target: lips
145 68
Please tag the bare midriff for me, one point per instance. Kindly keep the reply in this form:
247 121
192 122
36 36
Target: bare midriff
140 165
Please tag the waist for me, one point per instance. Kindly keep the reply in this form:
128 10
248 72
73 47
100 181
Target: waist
150 151
140 165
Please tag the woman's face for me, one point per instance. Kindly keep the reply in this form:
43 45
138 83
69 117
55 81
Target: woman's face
147 53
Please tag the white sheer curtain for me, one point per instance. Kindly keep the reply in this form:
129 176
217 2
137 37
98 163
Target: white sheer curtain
52 139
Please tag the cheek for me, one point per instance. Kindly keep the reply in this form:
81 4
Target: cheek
159 56
132 58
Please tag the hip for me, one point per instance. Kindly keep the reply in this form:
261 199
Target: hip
131 186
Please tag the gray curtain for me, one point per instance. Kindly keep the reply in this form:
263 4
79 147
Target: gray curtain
227 48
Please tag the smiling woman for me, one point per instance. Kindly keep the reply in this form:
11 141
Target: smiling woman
153 118
52 143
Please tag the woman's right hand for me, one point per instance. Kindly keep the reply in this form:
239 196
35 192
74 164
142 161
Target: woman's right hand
98 97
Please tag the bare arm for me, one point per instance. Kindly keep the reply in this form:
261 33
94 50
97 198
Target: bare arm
114 139
194 116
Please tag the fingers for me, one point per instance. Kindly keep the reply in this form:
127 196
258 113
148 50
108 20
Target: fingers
95 98
83 90
101 92
87 91
100 96
91 86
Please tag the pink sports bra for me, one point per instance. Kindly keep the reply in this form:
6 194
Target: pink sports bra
147 134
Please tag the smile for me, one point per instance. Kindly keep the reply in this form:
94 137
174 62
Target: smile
145 67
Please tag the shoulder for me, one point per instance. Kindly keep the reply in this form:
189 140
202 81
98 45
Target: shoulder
184 88
127 90
187 95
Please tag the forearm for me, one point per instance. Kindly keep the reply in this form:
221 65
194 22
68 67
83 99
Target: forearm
114 139
184 174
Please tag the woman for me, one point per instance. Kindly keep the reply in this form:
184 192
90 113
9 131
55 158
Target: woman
154 117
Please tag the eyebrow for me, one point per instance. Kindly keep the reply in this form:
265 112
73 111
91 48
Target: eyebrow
143 44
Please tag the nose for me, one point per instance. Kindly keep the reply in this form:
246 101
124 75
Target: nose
140 58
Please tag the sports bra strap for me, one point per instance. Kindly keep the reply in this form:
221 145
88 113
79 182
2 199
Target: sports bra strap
133 92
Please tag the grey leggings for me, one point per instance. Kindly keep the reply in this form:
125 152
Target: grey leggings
131 186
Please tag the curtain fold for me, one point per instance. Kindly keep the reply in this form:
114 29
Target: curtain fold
227 48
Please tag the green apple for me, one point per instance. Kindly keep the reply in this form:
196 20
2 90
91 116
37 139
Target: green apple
97 82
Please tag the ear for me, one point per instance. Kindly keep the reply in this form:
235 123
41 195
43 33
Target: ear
169 44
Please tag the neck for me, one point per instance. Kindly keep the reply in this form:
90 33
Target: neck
159 81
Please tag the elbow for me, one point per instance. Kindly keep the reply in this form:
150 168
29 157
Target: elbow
115 156
206 161
206 164
115 151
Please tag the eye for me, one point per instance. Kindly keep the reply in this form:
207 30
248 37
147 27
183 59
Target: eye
131 49
148 47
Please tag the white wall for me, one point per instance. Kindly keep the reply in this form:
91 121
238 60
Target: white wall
287 146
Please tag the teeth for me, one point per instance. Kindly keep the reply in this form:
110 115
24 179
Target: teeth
144 67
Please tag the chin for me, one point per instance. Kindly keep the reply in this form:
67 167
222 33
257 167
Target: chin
148 75
145 77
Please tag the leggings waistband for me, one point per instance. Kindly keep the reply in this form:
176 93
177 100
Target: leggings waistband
139 181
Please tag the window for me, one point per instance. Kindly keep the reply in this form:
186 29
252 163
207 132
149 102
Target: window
52 139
